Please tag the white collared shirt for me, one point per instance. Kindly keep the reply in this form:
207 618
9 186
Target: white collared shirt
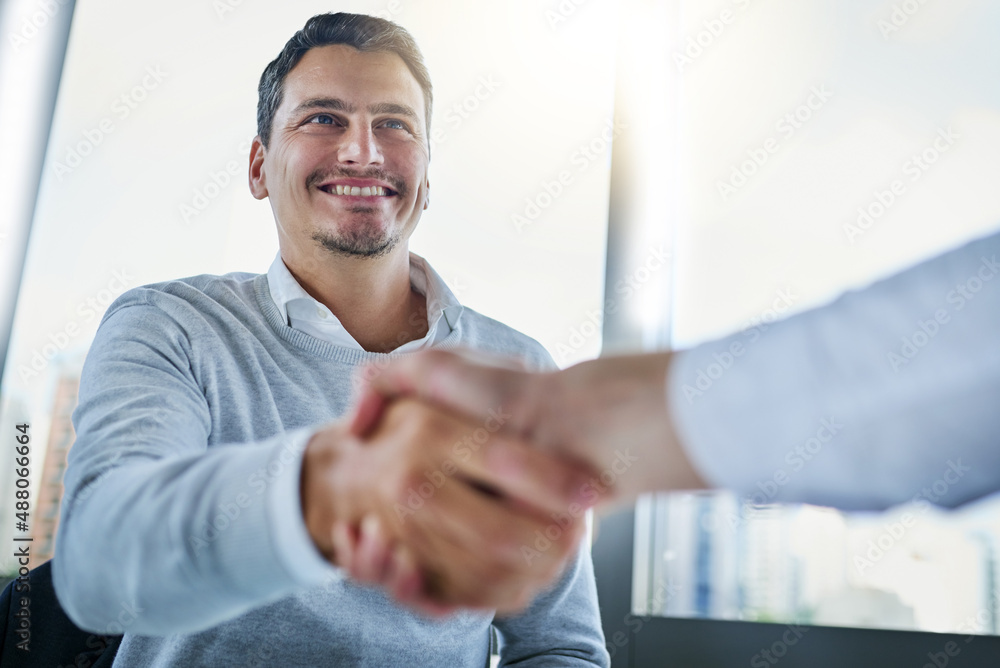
304 313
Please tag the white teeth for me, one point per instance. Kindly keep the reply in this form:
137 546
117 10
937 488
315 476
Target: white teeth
372 191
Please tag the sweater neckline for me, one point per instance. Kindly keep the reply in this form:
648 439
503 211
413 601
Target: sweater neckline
325 349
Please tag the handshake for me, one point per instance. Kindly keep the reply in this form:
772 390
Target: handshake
458 483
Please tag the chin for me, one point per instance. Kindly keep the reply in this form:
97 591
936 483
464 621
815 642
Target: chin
358 244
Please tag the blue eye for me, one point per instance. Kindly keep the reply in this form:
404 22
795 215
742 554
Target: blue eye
394 124
324 119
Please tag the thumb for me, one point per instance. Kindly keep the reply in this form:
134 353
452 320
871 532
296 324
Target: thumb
367 412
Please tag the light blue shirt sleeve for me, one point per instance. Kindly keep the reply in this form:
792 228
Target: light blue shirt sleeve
887 395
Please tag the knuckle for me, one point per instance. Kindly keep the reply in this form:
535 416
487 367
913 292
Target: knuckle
407 480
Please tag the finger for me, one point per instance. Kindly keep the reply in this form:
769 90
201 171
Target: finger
483 554
452 576
403 580
344 545
367 413
517 541
473 523
456 382
534 480
443 446
373 552
454 447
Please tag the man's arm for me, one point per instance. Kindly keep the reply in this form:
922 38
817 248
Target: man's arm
858 404
608 414
186 536
861 404
153 520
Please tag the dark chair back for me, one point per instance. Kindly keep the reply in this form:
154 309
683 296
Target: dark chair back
55 641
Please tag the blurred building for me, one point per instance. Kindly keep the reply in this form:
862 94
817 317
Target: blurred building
13 411
45 520
724 559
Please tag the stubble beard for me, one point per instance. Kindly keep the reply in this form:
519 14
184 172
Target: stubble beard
366 240
359 241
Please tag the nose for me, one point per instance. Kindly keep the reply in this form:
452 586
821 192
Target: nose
359 146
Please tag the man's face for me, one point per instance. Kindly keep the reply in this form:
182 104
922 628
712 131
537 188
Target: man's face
346 168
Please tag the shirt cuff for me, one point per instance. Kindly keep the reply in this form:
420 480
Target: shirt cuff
293 544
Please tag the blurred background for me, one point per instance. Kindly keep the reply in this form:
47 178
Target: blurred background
605 176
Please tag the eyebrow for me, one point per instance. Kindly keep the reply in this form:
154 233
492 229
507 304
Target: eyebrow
336 104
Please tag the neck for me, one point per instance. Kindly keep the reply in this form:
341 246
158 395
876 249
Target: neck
371 297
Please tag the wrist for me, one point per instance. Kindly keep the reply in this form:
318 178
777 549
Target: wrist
323 455
679 473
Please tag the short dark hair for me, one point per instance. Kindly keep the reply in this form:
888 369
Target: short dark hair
364 33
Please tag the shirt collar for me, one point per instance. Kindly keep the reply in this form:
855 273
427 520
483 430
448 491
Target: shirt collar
443 308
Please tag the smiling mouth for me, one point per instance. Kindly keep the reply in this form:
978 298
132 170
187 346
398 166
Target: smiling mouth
355 191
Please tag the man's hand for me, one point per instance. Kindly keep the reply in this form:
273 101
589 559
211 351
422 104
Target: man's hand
441 510
610 413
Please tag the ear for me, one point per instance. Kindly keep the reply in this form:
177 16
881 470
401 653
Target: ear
427 193
258 180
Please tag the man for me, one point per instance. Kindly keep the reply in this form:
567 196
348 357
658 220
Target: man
206 479
887 395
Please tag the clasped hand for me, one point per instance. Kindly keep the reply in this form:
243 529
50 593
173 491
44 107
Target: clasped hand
440 510
460 482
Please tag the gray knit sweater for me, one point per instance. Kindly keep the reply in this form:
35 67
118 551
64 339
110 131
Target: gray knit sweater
181 524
